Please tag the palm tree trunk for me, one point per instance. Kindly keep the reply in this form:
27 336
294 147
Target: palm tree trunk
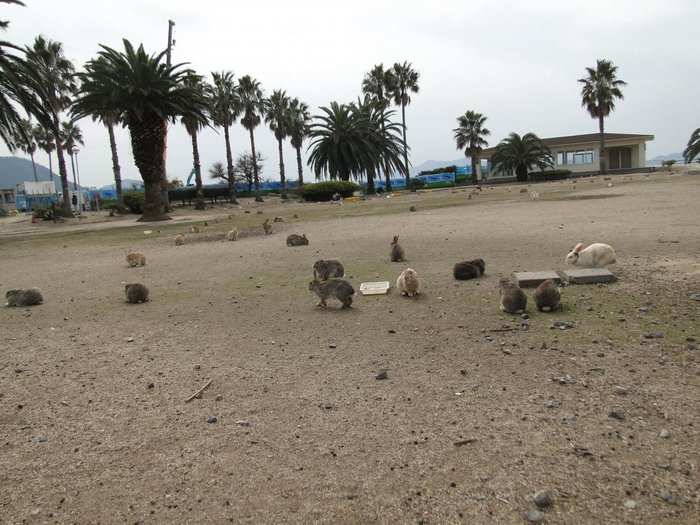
475 178
50 167
387 176
62 167
72 169
229 169
31 156
148 145
283 180
370 181
256 177
299 167
405 145
603 158
199 199
164 197
116 169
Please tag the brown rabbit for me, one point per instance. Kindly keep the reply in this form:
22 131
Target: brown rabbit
194 229
338 288
547 296
397 253
232 235
513 299
267 227
469 269
135 259
324 270
28 297
297 240
179 239
136 293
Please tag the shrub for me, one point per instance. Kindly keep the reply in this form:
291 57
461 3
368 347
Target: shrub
445 169
539 176
134 201
323 191
3 212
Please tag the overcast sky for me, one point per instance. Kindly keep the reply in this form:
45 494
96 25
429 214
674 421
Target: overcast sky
516 62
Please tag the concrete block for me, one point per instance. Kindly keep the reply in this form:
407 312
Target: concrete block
589 276
532 279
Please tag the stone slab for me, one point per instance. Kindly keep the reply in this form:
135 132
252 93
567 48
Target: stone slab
589 276
532 279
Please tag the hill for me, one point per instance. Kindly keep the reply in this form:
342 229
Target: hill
656 161
15 170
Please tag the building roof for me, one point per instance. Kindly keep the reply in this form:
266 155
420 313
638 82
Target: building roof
581 139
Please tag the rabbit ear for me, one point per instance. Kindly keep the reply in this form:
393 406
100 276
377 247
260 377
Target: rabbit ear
578 247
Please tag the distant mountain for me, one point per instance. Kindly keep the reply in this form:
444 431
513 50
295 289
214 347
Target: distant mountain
656 161
15 170
432 164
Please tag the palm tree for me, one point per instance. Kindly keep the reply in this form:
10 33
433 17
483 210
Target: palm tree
379 84
277 118
217 171
148 93
405 82
252 106
470 136
224 109
692 150
71 136
53 81
45 142
26 142
600 90
193 124
299 120
518 154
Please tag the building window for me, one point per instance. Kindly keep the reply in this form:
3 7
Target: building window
568 158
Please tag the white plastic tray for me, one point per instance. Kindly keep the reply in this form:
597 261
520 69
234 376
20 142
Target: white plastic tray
375 288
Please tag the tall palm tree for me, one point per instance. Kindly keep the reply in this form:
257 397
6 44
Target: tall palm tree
148 93
277 117
379 84
692 150
71 136
45 142
193 124
252 106
26 142
470 135
516 154
600 90
224 109
405 82
299 121
53 81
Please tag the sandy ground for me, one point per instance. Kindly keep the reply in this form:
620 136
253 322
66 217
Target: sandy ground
477 414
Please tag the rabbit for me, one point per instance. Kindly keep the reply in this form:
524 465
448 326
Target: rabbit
136 293
327 269
597 255
179 239
232 235
513 299
534 196
278 219
28 297
408 283
547 296
267 227
194 229
397 253
469 269
338 288
135 259
297 240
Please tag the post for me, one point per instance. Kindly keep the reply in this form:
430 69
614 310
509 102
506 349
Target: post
164 183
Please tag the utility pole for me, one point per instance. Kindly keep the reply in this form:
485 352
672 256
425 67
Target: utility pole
80 189
164 182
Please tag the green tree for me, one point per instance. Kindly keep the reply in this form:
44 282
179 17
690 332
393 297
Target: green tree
217 172
277 117
252 106
45 142
52 78
148 93
692 150
299 121
26 142
193 124
470 136
71 136
405 82
600 90
379 85
224 109
516 154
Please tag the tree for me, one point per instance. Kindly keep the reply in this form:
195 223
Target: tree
470 136
252 106
71 136
379 84
692 150
600 90
45 142
277 117
405 82
26 142
299 121
517 154
244 166
193 124
224 109
148 93
217 172
52 79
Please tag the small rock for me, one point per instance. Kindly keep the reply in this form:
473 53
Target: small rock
621 390
617 414
129 339
243 423
543 499
524 316
219 398
382 375
197 367
562 325
41 439
668 497
552 403
695 296
630 504
331 345
534 516
653 335
412 208
664 434
392 331
212 419
150 386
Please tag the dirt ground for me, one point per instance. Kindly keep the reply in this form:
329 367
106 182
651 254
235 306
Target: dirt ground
476 416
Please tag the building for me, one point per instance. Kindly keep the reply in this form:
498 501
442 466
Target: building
7 198
580 154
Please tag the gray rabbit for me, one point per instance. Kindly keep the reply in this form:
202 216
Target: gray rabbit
28 297
397 253
326 269
340 289
513 299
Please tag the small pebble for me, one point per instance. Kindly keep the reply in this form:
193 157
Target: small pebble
617 414
331 345
630 504
243 423
212 419
534 516
543 499
664 434
129 339
621 390
667 497
653 335
382 375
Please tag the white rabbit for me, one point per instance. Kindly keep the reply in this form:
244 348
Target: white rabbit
408 283
597 255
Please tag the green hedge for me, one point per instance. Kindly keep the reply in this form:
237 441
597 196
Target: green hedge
323 191
134 201
538 176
